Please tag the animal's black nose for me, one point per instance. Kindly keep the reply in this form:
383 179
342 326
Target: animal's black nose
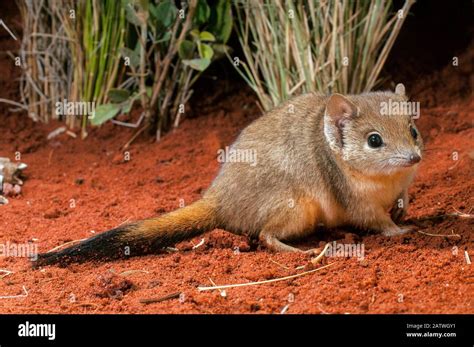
414 158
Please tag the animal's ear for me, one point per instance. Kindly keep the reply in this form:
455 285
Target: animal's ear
340 108
400 89
339 111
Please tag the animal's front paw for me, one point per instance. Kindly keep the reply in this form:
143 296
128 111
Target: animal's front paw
397 214
9 189
3 200
399 207
313 251
398 211
396 230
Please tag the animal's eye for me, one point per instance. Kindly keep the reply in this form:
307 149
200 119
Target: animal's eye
375 140
413 132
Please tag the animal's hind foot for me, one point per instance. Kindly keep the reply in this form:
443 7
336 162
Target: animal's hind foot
395 231
274 244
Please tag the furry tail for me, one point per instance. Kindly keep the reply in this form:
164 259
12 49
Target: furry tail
144 237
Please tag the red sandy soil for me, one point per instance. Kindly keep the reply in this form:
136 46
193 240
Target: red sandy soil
414 273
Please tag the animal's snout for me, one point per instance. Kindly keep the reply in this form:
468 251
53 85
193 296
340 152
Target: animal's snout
414 158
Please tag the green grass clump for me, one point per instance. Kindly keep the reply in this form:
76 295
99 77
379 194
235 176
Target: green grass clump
328 46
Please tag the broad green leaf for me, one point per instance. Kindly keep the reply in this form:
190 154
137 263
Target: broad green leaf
166 13
206 51
117 96
131 14
127 106
104 112
130 54
153 9
206 36
202 13
220 21
198 64
194 34
136 11
186 49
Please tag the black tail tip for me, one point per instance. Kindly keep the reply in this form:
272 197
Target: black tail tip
109 245
104 246
51 258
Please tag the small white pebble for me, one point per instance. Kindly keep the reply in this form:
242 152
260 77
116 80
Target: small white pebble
283 311
468 259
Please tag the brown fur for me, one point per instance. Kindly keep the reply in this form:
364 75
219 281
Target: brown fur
193 219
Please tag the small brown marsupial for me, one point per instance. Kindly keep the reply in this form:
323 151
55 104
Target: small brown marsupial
317 160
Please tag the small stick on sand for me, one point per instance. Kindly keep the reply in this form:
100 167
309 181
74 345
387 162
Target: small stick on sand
440 235
55 133
163 298
284 309
201 289
199 244
319 257
468 259
125 221
316 260
222 292
50 156
131 272
5 273
24 295
462 214
455 214
322 310
65 244
280 265
86 304
171 249
72 134
129 142
453 166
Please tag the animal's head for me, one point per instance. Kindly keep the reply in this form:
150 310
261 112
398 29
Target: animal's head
374 133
